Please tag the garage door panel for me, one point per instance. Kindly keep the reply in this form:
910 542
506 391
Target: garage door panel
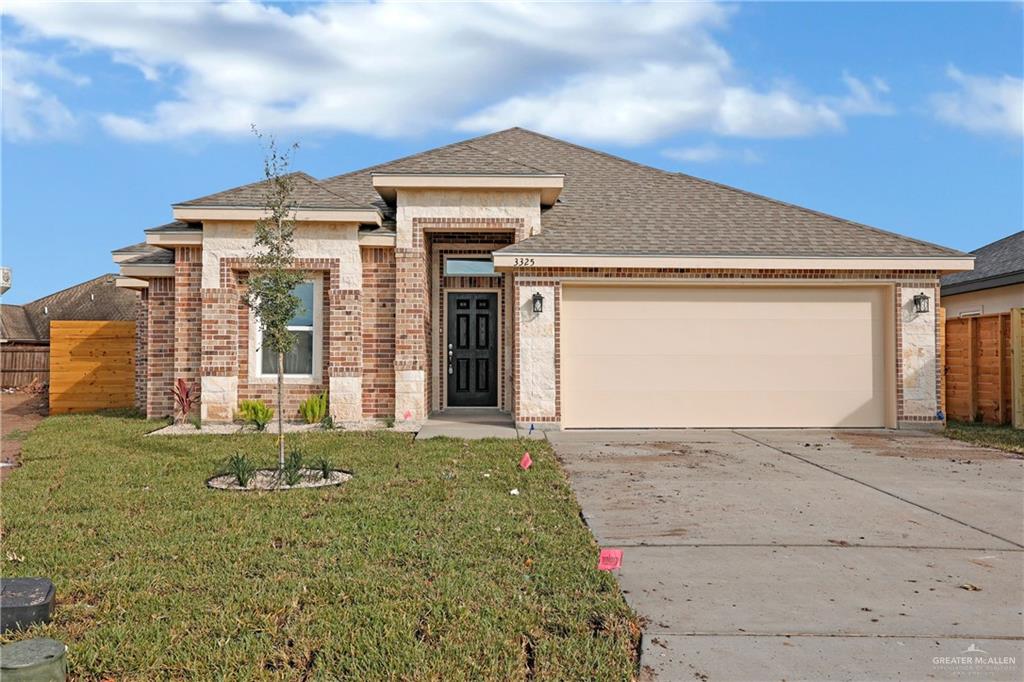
738 356
729 336
717 373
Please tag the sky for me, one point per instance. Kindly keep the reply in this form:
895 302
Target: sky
908 117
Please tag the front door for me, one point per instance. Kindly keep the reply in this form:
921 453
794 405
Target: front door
472 350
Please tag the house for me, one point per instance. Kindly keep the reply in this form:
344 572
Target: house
560 284
994 286
28 326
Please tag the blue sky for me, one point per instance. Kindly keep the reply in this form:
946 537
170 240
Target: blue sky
909 117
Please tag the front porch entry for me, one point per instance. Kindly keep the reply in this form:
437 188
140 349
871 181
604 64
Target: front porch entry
473 423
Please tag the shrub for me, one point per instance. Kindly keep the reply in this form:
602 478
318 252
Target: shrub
324 466
241 468
327 423
293 468
185 397
196 422
389 422
314 408
256 413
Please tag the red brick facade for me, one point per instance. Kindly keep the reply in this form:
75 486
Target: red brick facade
378 332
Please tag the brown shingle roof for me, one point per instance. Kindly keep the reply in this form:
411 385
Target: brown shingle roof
308 193
614 206
96 299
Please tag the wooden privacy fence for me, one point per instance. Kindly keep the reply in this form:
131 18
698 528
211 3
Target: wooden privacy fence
92 365
984 368
19 365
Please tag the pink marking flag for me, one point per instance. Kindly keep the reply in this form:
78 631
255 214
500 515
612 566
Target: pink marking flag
407 416
525 462
609 560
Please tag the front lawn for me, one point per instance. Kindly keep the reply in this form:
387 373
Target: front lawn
1001 437
423 566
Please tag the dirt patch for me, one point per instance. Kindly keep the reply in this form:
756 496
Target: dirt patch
19 414
917 447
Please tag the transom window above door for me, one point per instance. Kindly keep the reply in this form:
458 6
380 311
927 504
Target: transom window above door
469 267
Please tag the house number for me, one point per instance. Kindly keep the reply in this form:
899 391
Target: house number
523 262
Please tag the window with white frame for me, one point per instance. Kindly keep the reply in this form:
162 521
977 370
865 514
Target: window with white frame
302 359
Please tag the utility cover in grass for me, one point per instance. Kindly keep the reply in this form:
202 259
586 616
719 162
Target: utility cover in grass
273 479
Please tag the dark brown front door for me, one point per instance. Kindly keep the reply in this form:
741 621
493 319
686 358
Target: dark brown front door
472 350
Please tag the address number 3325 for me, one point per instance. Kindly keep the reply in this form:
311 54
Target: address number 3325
523 262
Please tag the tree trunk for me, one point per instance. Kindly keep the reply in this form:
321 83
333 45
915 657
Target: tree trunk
280 411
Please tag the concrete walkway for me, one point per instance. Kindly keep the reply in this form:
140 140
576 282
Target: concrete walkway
808 555
473 424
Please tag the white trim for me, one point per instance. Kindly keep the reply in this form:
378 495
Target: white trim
167 238
377 240
323 215
130 283
549 184
148 270
256 374
541 260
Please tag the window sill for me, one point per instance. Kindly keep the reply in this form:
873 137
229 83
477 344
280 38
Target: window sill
289 379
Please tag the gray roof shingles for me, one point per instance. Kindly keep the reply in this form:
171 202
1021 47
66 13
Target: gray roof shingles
96 299
307 191
613 206
995 264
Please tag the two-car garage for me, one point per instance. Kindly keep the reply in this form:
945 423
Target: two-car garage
646 356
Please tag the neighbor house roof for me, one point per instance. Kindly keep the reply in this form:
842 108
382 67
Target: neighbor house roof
96 299
995 265
306 191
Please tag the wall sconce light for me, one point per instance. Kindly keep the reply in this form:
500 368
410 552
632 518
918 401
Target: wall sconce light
538 303
921 303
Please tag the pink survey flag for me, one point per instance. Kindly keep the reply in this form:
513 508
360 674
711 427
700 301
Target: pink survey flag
609 560
407 416
525 462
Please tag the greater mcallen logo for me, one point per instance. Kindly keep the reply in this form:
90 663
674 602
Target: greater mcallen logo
975 659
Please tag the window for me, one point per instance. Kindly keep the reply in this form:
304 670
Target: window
302 358
470 267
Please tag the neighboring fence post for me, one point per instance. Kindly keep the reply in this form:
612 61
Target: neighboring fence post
1017 365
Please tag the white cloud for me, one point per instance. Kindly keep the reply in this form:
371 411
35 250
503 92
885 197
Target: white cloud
709 152
622 73
30 111
982 104
863 98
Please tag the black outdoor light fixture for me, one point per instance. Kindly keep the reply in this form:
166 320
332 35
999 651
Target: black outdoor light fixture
920 303
538 303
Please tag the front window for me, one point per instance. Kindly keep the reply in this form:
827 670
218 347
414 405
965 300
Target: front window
300 359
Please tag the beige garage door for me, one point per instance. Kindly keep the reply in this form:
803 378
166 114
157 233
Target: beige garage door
641 356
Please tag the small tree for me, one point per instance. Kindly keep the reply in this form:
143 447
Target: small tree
273 277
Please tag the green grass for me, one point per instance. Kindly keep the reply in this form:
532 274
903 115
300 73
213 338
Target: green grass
1001 437
420 567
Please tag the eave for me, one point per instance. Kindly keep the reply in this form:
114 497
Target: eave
993 282
147 270
549 185
522 260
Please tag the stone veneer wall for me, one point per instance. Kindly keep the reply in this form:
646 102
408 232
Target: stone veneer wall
378 333
536 357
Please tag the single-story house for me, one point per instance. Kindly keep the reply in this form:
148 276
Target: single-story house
563 285
994 286
28 325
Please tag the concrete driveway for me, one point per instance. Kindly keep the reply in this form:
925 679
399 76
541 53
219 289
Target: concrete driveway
810 555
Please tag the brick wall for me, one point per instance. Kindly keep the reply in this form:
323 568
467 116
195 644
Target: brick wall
160 347
141 351
188 274
378 301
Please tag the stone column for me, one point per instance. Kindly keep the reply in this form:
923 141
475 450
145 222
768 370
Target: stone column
536 371
918 357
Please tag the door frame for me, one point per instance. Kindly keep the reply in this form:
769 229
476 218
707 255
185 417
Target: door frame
890 323
442 370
